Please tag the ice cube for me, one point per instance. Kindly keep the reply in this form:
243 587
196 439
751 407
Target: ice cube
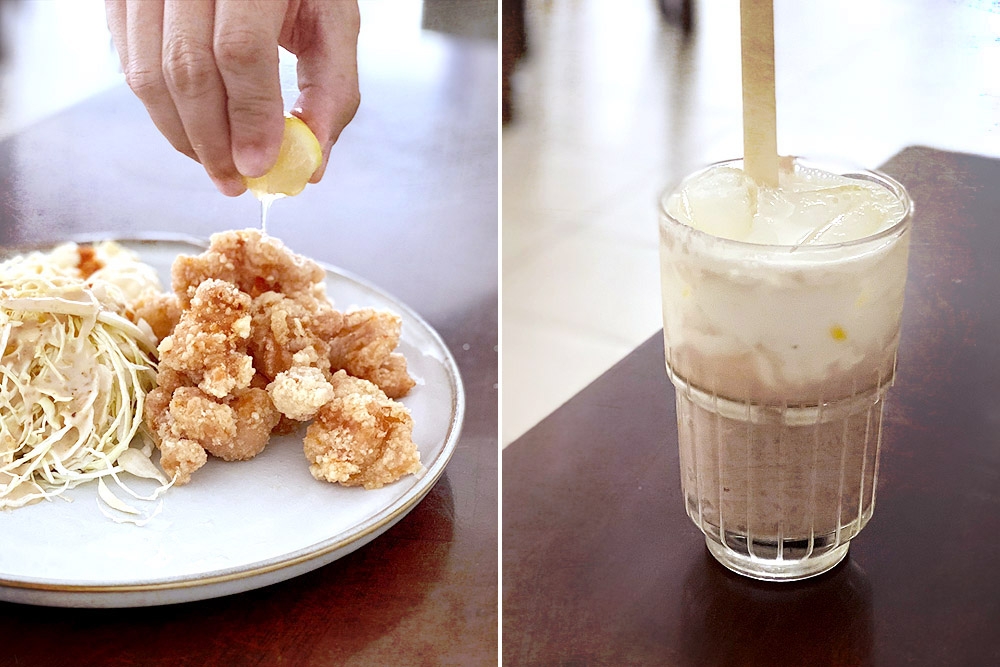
775 221
837 214
722 203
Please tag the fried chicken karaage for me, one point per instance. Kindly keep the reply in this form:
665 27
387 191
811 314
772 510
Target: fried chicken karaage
364 348
209 344
251 346
361 437
292 330
300 392
252 261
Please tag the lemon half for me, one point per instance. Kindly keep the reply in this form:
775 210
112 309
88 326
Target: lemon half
298 159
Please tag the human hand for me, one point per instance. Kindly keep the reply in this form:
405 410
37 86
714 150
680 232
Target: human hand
207 72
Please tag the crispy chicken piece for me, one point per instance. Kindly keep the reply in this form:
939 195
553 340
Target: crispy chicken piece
194 415
365 340
287 331
364 348
233 430
208 345
161 311
284 425
361 437
251 260
392 376
180 458
300 392
183 419
255 417
157 406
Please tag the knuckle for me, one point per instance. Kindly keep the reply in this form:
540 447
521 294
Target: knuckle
239 49
352 102
188 69
144 82
248 114
347 106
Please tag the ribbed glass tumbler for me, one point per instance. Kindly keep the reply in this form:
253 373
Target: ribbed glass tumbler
781 357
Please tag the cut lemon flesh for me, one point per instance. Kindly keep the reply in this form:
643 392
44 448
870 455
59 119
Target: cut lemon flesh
298 159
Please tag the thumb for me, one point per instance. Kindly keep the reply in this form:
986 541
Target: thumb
327 52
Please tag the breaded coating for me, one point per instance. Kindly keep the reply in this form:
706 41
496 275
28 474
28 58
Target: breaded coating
364 348
365 340
161 311
208 345
361 437
300 392
234 430
194 415
180 458
157 406
392 376
251 260
184 419
254 415
287 331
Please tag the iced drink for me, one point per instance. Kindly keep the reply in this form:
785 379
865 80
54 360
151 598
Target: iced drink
781 314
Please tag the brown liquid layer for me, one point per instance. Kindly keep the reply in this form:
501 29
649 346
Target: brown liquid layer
773 473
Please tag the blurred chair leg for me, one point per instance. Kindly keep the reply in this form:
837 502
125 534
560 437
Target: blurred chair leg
680 12
514 42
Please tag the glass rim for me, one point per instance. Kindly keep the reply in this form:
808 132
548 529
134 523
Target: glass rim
832 165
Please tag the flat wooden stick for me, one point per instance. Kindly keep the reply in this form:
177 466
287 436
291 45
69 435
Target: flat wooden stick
760 132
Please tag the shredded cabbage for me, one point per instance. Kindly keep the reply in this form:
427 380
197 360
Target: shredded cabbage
74 374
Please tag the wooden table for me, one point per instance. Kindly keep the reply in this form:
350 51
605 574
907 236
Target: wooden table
410 204
601 566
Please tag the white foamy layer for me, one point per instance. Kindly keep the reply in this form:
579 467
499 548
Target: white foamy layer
810 207
789 324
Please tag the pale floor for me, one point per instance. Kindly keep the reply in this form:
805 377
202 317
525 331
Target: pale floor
613 105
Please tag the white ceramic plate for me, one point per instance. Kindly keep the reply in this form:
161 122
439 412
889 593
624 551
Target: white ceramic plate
239 525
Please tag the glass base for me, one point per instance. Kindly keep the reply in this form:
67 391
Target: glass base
779 569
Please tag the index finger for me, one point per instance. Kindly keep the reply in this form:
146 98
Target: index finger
246 52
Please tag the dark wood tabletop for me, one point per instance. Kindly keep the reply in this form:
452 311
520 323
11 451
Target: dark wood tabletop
601 565
409 203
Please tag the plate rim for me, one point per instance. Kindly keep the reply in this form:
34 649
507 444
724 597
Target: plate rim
382 520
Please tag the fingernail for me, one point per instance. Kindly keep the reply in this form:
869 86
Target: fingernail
253 161
229 186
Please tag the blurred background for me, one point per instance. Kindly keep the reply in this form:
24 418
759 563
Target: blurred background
55 53
611 102
38 40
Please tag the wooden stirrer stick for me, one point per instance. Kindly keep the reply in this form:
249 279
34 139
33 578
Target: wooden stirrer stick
760 134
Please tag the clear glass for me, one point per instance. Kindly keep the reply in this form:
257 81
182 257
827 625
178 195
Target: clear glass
781 357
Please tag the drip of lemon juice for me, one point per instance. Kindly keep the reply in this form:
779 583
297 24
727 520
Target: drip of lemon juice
266 199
